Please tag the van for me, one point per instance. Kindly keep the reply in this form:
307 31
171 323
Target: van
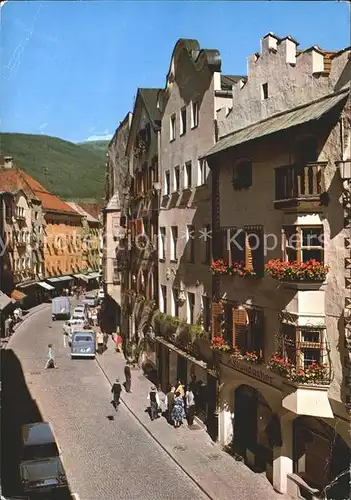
83 344
61 308
41 468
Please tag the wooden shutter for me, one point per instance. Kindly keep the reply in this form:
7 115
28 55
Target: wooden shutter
217 312
239 328
139 226
254 249
248 253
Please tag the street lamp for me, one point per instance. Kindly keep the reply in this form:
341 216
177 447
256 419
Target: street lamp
344 169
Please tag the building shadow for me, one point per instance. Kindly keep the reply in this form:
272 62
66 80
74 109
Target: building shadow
17 408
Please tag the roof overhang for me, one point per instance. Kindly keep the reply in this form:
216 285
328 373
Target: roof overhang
279 122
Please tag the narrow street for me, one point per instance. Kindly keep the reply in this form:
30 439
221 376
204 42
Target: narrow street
106 455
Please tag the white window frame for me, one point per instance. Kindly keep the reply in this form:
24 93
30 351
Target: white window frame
195 115
174 243
186 176
167 185
162 243
172 127
203 170
176 184
182 124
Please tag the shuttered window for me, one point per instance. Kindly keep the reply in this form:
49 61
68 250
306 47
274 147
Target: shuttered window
217 313
239 328
254 249
248 330
237 245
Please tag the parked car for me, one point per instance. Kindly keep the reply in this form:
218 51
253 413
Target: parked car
67 326
79 315
91 301
60 308
41 468
83 344
81 308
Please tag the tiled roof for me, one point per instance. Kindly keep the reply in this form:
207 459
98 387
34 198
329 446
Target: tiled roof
13 179
93 209
81 211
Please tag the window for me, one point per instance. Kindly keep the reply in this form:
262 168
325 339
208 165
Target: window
302 244
162 247
191 308
206 311
248 330
203 172
242 175
302 347
207 242
172 128
163 297
194 114
175 305
264 91
245 246
167 187
187 175
177 178
183 121
174 240
191 243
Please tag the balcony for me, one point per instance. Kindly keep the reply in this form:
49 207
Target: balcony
300 188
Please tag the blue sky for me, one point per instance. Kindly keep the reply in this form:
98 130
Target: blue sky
71 68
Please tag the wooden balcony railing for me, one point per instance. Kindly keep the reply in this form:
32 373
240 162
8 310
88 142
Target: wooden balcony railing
297 186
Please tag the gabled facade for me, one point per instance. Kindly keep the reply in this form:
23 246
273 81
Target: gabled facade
281 266
194 91
140 292
114 223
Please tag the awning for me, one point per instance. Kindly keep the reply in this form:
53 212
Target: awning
279 122
17 295
26 283
93 276
59 278
46 285
5 301
53 280
81 277
66 278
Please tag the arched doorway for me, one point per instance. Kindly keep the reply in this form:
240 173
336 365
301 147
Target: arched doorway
256 427
321 457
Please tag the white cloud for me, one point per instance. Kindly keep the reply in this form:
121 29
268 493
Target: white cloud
103 136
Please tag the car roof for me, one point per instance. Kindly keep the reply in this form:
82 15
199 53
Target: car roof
37 433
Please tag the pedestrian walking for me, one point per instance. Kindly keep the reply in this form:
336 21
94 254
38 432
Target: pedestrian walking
180 388
116 391
178 412
128 376
100 342
169 402
51 358
154 399
190 406
105 336
118 342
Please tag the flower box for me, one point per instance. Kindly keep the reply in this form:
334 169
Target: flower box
221 268
297 272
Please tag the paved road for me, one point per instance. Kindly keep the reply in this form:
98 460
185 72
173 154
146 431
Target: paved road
106 455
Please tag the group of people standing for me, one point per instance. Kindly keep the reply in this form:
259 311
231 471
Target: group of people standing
180 404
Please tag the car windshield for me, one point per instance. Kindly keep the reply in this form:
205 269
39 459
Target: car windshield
83 338
40 451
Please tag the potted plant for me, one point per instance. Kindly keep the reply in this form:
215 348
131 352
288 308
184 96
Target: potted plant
311 270
251 357
279 365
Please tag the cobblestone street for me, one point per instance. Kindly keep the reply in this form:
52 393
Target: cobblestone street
110 455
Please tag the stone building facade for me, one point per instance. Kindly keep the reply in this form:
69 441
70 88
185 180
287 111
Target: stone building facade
282 153
114 223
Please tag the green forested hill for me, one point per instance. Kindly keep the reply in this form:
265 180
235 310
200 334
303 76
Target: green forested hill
98 147
72 171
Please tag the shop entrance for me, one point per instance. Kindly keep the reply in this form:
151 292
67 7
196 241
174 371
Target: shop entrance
256 428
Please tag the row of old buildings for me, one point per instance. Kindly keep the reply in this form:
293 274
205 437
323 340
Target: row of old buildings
227 251
46 244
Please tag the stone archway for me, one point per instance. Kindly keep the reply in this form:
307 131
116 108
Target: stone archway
321 457
256 428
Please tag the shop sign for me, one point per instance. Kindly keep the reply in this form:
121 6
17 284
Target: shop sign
256 371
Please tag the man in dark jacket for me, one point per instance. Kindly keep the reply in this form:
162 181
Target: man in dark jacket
169 403
128 376
116 391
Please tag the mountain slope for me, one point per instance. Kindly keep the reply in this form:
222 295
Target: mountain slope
66 169
98 147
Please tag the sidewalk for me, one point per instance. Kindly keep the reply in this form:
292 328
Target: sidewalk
5 340
214 471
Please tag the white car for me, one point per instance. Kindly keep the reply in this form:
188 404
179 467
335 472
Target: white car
78 310
101 294
73 322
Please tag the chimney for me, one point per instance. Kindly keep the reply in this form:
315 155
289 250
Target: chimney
8 161
317 57
269 43
288 46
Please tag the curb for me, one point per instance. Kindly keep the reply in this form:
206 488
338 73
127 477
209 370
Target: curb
156 440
